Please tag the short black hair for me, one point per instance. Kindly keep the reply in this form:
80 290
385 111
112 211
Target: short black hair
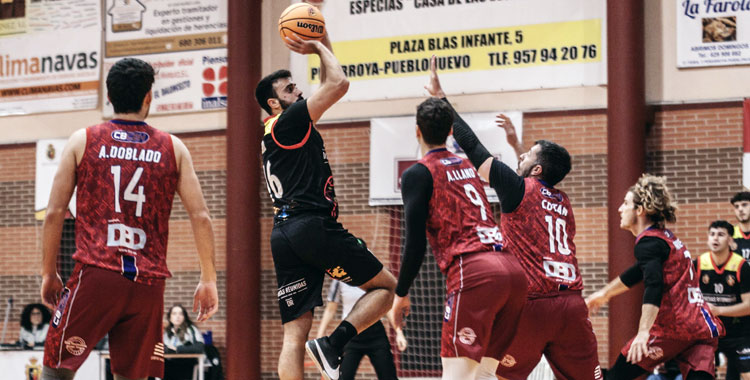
434 119
722 224
555 161
128 82
26 315
741 196
265 91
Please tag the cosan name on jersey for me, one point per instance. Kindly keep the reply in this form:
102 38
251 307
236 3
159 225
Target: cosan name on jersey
128 153
556 207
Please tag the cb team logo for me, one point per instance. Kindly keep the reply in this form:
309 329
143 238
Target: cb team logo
655 353
508 361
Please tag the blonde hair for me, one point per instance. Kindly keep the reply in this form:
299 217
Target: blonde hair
651 193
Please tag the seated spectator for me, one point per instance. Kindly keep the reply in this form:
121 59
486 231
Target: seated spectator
35 319
181 336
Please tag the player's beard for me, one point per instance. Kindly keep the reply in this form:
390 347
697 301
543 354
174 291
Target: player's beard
285 105
525 172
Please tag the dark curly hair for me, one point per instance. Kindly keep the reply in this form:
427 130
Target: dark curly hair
26 315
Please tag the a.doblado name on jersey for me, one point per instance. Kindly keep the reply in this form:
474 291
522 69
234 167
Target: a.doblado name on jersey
133 154
459 174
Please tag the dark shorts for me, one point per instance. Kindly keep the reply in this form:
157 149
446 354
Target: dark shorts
304 247
101 302
487 292
559 328
691 355
737 351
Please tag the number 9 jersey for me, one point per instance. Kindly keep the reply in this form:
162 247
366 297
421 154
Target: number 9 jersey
540 232
126 182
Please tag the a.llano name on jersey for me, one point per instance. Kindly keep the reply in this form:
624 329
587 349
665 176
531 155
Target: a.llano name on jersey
459 174
128 153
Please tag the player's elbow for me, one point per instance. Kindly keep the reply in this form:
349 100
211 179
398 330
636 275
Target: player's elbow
201 216
55 213
341 86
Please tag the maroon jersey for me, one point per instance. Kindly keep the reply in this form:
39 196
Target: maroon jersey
540 232
460 218
126 182
681 315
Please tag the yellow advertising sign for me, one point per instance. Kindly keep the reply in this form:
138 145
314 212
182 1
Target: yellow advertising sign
557 43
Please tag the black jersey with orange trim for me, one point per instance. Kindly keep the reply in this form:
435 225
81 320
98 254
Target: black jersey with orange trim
298 175
724 286
743 242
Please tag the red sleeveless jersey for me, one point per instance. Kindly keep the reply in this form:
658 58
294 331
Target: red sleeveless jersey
125 186
681 315
460 218
540 232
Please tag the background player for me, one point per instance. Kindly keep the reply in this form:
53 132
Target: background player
372 342
725 283
674 322
444 200
126 174
741 204
306 240
538 227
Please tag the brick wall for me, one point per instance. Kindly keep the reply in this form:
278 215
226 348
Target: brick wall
698 147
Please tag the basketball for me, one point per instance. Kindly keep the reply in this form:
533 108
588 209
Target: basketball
304 20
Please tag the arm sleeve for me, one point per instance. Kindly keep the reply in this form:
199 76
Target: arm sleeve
468 141
745 278
651 253
631 276
508 185
293 124
416 190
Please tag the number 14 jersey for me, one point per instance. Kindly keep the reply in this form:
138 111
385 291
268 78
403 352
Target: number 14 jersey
125 182
540 232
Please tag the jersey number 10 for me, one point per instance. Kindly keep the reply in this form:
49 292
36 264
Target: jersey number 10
558 233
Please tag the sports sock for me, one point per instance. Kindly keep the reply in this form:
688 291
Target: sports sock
342 335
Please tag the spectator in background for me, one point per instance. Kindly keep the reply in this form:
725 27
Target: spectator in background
35 319
183 337
372 342
741 204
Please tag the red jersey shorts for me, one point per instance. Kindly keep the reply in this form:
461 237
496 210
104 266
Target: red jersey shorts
486 294
97 302
691 355
558 327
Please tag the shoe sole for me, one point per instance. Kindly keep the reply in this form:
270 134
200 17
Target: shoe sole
314 356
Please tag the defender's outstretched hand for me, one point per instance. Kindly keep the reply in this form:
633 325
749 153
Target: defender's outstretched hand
596 300
434 88
503 121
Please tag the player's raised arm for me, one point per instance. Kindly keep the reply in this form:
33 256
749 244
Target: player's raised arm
333 85
62 189
206 298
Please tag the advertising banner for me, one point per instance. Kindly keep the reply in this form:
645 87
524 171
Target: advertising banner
713 33
186 43
481 46
51 61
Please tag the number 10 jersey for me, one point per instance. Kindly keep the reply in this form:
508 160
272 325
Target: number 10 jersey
540 232
125 182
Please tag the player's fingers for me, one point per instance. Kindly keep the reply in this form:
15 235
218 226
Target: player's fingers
433 64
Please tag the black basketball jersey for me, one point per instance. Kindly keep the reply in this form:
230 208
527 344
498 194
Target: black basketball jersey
295 165
743 242
724 287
